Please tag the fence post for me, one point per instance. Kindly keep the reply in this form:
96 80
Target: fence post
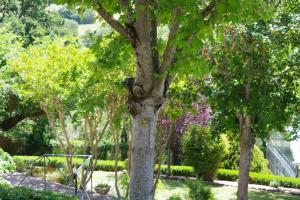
92 170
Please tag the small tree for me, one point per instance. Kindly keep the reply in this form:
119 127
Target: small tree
202 151
254 82
50 75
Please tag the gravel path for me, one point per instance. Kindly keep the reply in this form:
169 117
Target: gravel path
37 183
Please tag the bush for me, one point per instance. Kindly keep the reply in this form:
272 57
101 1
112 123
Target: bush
198 191
59 162
260 178
6 162
13 193
231 155
177 170
123 183
202 151
258 161
175 197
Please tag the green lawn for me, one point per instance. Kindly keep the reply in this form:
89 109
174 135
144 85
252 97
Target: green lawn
168 187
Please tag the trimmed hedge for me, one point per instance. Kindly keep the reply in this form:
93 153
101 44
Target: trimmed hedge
8 192
259 178
104 165
59 162
187 171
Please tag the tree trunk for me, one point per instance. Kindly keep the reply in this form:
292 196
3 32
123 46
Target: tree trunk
143 152
169 161
246 146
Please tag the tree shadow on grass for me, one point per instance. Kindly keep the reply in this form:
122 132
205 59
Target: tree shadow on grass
170 184
266 195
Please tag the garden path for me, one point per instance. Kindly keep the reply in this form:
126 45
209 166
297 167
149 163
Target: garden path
37 183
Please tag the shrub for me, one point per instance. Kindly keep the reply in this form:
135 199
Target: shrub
227 174
175 197
198 191
260 178
274 184
177 170
231 155
124 182
202 151
258 161
6 162
13 193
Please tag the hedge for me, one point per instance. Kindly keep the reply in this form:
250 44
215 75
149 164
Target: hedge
59 162
105 165
261 179
8 192
187 171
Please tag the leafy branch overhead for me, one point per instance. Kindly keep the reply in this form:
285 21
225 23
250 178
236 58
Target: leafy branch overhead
138 21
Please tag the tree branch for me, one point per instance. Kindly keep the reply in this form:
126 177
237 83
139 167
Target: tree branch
171 48
208 9
11 122
125 5
115 24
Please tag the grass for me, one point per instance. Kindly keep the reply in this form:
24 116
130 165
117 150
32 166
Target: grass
168 187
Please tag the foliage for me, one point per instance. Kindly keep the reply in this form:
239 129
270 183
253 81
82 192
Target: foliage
12 193
260 178
177 170
231 156
69 14
198 191
59 162
6 162
194 26
175 197
185 108
31 20
102 185
52 74
202 151
258 162
71 25
105 149
253 55
87 17
124 182
33 136
52 69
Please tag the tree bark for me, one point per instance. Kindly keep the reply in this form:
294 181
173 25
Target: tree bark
11 122
246 146
142 153
247 140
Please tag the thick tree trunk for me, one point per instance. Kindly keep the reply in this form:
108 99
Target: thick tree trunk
142 153
246 146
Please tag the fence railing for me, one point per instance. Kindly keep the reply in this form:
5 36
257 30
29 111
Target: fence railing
72 180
